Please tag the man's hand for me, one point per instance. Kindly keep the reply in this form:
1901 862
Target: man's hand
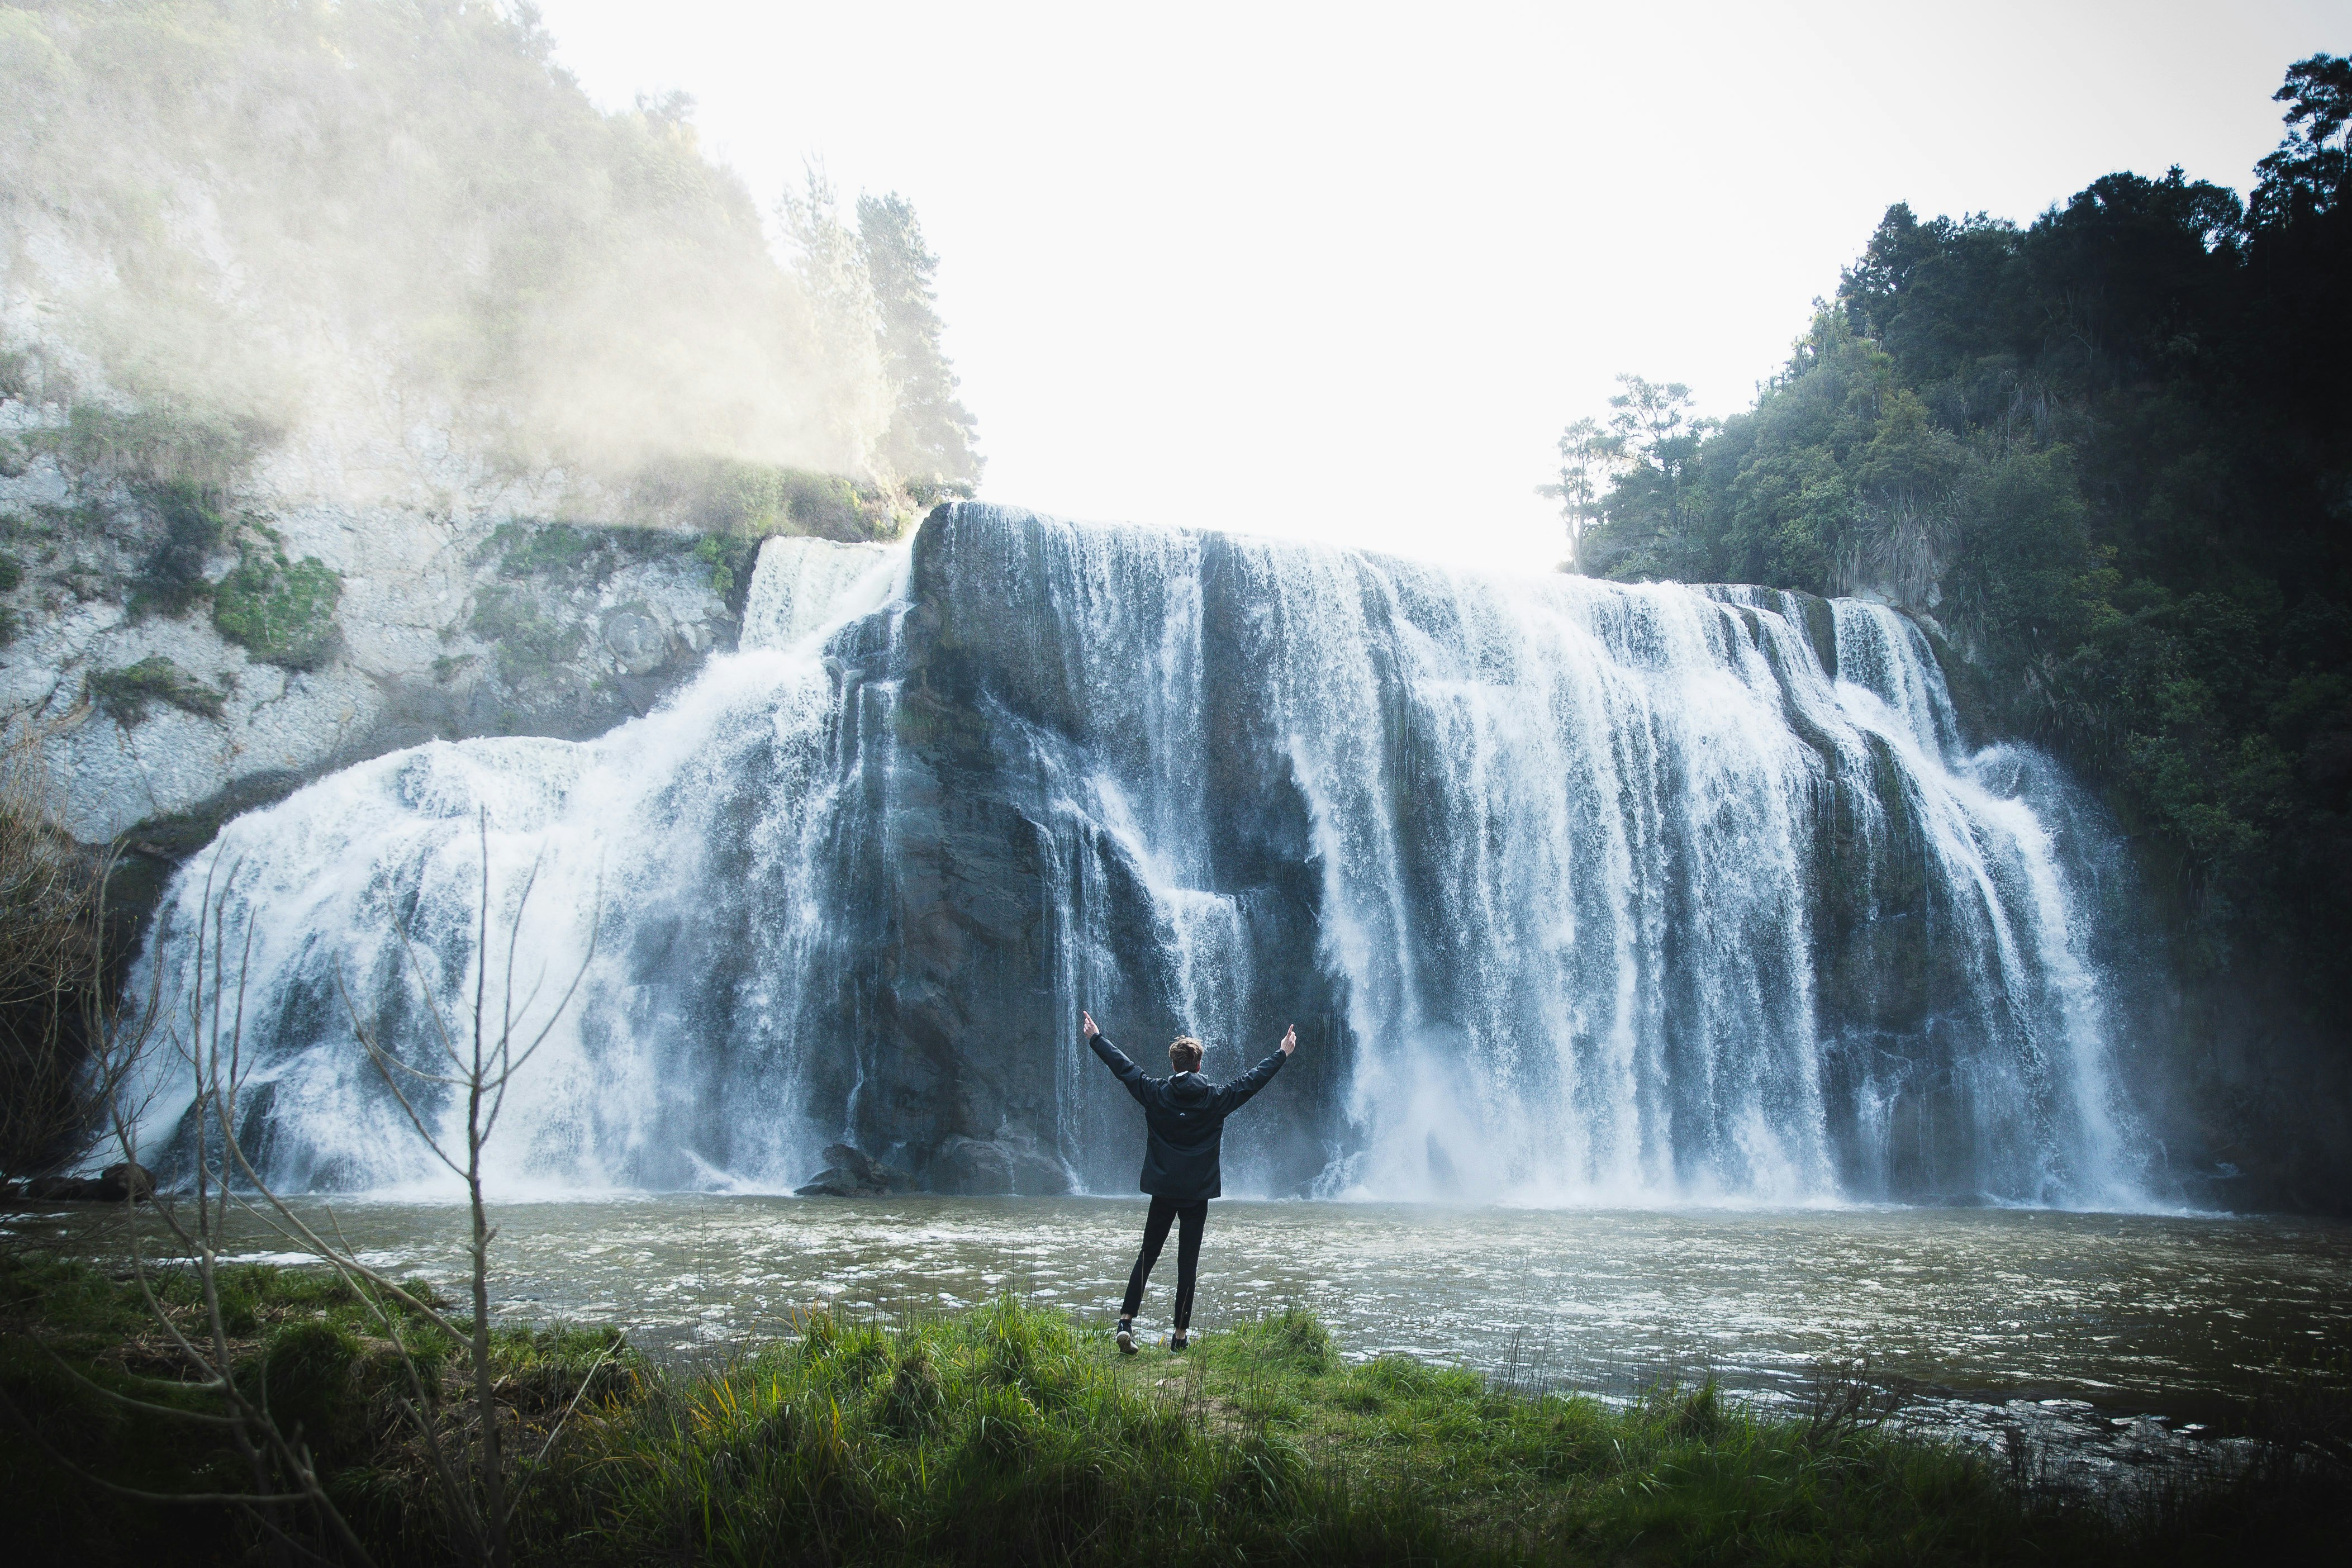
1289 1039
1088 1025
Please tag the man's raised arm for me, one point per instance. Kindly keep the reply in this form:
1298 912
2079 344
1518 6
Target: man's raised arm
1237 1093
1113 1057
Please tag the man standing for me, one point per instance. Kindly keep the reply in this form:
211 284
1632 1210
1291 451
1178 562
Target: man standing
1185 1115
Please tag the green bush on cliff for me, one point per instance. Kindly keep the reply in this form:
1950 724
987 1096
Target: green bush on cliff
569 556
282 611
172 579
730 561
558 550
750 500
123 695
162 444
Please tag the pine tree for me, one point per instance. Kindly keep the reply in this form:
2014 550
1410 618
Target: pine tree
929 442
830 263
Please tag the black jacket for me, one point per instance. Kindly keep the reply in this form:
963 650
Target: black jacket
1186 1115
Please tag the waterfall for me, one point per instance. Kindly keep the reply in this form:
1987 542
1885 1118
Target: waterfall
1578 892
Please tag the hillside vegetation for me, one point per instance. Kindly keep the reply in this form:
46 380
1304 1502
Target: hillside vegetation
2108 454
313 227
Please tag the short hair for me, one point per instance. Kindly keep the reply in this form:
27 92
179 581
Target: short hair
1184 1054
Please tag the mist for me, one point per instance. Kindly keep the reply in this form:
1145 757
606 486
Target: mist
393 238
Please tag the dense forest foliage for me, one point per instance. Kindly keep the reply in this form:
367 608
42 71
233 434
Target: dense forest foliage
2108 454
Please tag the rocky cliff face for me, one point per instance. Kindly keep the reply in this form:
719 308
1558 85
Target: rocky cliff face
201 625
168 704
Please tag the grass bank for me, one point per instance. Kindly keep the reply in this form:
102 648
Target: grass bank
1009 1433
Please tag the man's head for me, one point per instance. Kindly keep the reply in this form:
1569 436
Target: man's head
1184 1054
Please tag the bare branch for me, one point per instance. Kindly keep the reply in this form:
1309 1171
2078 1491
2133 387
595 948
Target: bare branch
432 1007
377 1055
116 1488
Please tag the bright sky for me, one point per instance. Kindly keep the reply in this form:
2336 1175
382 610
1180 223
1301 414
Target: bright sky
1345 270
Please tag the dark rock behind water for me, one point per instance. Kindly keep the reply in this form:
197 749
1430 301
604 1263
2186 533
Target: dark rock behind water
118 1183
971 1051
851 1173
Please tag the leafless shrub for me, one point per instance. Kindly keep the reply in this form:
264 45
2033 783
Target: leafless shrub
200 1035
57 996
279 1462
1841 1398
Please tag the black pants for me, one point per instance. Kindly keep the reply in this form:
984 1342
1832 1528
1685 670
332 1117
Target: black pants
1194 1216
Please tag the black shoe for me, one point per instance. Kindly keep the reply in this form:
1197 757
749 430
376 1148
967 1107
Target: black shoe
1176 1344
1127 1336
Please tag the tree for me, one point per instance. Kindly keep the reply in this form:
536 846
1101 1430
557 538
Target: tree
2306 176
930 440
1588 458
2107 452
1658 443
470 1058
1649 415
832 268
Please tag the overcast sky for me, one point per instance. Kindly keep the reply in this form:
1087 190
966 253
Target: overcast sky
1344 271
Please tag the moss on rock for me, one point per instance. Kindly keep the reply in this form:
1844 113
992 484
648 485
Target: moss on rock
281 611
123 695
527 642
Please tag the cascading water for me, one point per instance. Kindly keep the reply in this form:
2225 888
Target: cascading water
1578 891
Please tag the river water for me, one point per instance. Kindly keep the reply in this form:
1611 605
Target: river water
2108 1335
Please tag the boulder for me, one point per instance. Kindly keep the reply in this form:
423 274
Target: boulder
637 642
63 1189
115 1185
852 1172
998 1167
126 1183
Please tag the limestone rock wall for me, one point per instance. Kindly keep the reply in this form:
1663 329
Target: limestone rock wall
442 621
